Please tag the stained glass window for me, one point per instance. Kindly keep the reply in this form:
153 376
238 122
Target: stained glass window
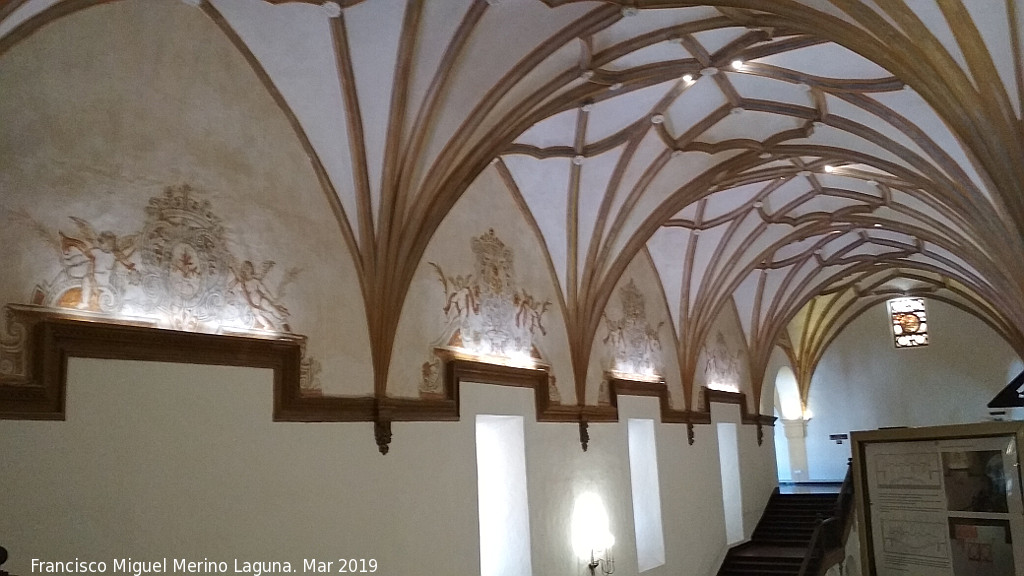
909 322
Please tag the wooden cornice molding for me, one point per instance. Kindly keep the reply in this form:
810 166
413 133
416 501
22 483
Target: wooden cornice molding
37 390
47 340
725 397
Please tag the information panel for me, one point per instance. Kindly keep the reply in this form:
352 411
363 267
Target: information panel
942 501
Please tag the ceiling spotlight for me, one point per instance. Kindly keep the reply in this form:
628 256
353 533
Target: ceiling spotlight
587 106
737 64
878 224
616 86
758 204
587 74
829 168
577 159
709 71
657 119
872 182
688 78
764 155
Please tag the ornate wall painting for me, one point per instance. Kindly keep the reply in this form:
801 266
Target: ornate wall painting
487 315
632 345
721 366
177 271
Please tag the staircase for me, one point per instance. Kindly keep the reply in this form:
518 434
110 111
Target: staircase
782 538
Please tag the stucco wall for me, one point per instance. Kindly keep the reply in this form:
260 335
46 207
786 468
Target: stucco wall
166 460
863 382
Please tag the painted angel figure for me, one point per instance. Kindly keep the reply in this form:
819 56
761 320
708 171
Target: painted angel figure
265 307
101 261
461 293
615 334
530 312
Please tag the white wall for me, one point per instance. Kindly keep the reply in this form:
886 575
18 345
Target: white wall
863 382
164 460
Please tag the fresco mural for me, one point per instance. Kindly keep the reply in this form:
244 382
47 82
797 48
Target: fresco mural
721 365
177 269
632 344
176 272
486 313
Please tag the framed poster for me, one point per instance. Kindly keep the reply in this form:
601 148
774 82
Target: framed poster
940 501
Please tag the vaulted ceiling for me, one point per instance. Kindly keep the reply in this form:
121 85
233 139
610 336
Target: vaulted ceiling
803 160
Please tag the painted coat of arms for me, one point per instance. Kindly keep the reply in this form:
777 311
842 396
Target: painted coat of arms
176 272
633 346
721 365
178 269
486 313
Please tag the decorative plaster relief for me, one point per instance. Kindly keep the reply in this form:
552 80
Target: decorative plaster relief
176 272
487 315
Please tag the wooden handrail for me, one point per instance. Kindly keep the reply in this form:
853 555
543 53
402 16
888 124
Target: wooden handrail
830 533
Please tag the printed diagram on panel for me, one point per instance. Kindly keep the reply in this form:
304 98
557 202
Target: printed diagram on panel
908 471
907 537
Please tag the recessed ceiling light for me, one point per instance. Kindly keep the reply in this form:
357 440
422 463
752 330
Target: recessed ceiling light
758 204
737 64
688 78
829 168
878 225
709 71
577 159
764 155
657 119
616 86
587 106
587 74
872 182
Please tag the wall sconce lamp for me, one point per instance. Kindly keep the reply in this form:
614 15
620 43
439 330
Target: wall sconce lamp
606 563
591 539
